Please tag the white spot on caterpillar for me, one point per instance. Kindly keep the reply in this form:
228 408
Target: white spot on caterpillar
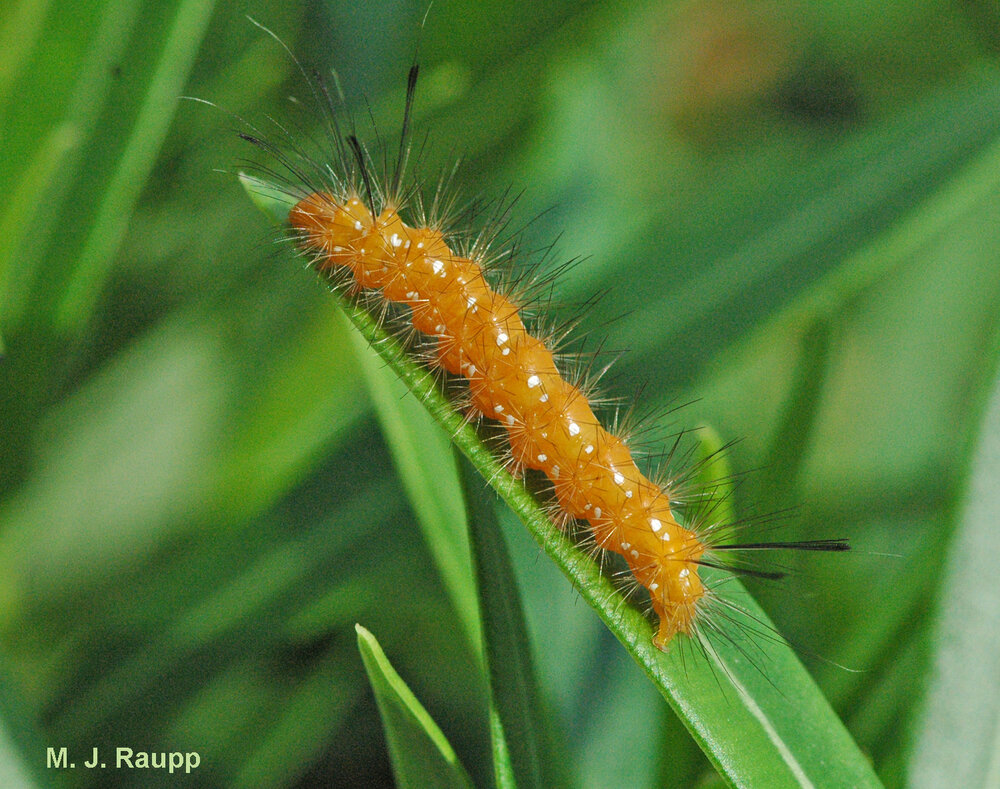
357 224
470 369
635 554
413 295
501 339
589 448
665 536
587 506
440 328
395 240
597 512
420 245
626 546
510 419
654 586
655 524
542 458
338 249
437 265
619 478
574 429
684 573
505 352
472 303
498 409
628 494
544 434
555 472
533 381
544 398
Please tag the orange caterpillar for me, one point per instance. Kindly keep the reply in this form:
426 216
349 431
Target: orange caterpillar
350 223
513 379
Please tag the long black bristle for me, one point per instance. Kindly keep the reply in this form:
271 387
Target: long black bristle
769 575
359 154
404 135
841 544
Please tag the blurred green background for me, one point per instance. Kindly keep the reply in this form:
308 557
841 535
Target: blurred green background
794 210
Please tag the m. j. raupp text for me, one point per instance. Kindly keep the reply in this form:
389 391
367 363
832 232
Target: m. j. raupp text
127 759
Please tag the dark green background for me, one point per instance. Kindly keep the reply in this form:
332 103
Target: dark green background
792 208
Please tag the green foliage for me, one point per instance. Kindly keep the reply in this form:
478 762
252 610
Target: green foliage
795 206
421 756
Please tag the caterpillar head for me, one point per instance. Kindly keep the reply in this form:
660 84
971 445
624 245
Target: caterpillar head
675 600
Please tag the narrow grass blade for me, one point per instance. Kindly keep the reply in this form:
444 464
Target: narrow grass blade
421 756
111 221
514 703
959 728
78 122
425 462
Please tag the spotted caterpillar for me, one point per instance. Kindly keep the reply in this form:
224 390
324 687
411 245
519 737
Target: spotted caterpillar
513 379
349 224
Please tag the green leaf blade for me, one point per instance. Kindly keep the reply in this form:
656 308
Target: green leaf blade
421 755
425 462
514 706
94 263
958 729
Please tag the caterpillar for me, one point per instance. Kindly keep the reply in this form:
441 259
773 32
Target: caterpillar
347 219
513 379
